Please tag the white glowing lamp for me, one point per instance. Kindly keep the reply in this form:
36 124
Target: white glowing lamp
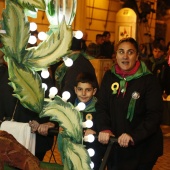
32 39
80 106
42 36
33 26
45 74
89 138
52 92
78 34
91 152
87 124
92 165
68 61
65 95
44 86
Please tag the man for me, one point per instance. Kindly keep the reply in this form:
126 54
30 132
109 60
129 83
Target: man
107 49
159 67
94 49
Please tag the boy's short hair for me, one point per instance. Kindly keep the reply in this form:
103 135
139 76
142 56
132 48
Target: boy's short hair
85 77
157 45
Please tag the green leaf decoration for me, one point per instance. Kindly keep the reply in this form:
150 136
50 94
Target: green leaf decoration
75 153
17 31
52 49
32 4
67 116
27 86
73 13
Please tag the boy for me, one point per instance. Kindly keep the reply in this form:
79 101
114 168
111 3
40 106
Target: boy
85 89
159 67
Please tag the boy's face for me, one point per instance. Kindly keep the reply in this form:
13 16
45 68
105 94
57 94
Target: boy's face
100 40
84 91
157 53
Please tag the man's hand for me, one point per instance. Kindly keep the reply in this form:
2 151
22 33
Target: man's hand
34 125
89 131
43 128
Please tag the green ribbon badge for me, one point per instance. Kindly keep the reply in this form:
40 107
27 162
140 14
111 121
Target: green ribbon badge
131 108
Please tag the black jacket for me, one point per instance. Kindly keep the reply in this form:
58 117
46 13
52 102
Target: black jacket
145 126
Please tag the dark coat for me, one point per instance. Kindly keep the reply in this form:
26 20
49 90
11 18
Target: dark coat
144 128
107 49
7 105
161 70
98 147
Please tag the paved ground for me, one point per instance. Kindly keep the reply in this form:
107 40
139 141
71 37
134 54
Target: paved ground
163 162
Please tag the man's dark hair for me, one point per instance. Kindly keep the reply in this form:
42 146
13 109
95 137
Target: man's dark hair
85 77
99 36
105 33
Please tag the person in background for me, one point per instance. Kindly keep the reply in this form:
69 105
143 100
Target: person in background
168 53
158 65
162 42
143 51
129 107
94 49
107 48
8 102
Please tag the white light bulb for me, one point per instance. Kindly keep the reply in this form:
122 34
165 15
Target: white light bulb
45 74
32 39
68 61
89 138
78 34
91 152
65 95
33 26
89 123
53 90
92 165
44 86
51 96
80 106
42 36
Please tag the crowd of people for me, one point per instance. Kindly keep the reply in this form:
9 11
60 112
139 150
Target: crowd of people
128 105
103 48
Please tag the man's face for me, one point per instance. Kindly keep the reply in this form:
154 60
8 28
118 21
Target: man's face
157 53
107 38
100 40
